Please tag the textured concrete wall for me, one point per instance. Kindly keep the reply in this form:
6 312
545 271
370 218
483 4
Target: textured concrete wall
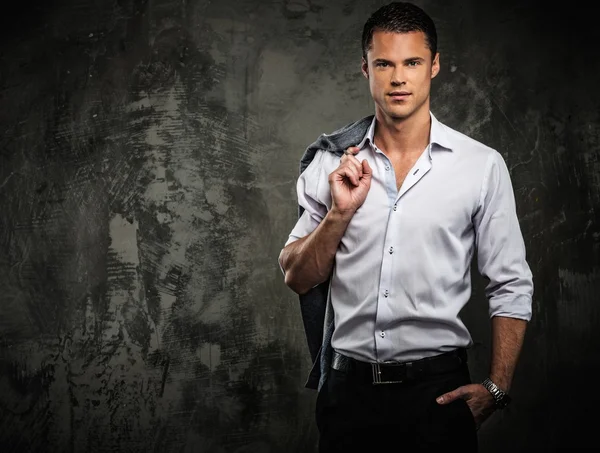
148 156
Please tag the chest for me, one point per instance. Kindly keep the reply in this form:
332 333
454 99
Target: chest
402 166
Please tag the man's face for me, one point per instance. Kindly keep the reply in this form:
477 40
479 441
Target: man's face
399 70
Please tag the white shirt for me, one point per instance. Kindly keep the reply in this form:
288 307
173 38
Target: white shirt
402 269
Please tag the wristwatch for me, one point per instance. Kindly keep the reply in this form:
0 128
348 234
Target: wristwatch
502 399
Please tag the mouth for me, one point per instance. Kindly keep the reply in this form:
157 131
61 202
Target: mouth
399 95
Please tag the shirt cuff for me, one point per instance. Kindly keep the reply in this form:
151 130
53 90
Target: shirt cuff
518 306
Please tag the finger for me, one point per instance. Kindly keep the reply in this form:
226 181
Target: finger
354 163
353 149
366 168
350 173
450 396
350 153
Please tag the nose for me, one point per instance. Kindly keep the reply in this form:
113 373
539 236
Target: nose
398 78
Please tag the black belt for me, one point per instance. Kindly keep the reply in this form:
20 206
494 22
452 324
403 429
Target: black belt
398 372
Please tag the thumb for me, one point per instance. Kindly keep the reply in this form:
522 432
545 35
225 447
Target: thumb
366 168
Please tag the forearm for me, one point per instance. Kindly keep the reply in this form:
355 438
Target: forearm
309 260
507 340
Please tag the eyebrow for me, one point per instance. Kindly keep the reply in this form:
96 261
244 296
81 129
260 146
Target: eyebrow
406 60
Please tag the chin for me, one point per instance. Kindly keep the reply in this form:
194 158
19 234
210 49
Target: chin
398 114
396 108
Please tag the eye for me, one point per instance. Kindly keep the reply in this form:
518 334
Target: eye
414 63
381 64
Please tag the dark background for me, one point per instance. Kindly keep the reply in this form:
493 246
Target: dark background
149 152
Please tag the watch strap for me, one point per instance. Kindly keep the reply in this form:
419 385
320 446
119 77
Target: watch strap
500 397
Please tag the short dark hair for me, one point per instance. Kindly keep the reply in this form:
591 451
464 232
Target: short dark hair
399 17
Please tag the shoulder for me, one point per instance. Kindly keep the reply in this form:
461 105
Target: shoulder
323 163
479 155
467 144
482 160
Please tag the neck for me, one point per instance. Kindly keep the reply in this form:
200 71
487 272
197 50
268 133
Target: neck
403 135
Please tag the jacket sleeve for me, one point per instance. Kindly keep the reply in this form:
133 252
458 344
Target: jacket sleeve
501 254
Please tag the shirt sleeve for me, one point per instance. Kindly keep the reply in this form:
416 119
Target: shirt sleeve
307 189
501 254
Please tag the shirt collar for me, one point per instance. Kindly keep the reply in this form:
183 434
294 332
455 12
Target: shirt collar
368 135
437 134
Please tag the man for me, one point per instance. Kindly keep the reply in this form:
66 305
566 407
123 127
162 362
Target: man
392 209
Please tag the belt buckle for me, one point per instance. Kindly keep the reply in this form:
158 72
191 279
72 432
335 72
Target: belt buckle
376 368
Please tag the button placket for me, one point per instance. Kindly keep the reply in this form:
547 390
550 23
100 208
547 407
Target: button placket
385 281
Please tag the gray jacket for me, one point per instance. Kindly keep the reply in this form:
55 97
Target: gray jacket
315 305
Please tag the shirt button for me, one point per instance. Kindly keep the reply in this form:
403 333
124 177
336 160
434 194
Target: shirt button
386 293
395 207
387 167
382 334
391 250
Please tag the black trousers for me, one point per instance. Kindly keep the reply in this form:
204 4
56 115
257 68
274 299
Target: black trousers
352 412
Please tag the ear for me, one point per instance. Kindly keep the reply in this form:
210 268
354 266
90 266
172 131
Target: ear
435 65
365 68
